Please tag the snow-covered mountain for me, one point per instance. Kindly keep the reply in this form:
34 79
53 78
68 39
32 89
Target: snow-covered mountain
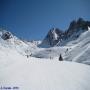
52 38
73 44
57 37
25 66
8 40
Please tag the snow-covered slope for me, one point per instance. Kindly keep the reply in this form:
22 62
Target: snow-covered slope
81 51
25 66
7 39
41 74
73 44
76 50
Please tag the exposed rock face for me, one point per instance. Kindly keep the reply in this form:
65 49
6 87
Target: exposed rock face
55 35
76 26
52 38
6 35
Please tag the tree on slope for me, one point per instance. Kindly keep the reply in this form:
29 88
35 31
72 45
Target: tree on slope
60 58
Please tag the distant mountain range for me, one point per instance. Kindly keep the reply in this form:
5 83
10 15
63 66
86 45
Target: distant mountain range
30 65
56 36
72 44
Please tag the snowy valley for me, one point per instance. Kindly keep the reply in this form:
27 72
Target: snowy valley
35 65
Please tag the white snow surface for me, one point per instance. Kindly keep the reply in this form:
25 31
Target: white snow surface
81 49
55 36
77 50
41 74
42 70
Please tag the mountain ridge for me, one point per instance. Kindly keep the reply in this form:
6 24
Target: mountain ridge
70 48
76 27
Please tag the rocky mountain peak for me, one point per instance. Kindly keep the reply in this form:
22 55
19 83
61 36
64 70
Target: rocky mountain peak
56 35
5 35
77 26
52 38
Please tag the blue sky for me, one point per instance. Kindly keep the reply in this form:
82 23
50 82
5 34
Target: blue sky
32 19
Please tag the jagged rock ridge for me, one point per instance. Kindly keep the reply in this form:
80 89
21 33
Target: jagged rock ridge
53 36
56 35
